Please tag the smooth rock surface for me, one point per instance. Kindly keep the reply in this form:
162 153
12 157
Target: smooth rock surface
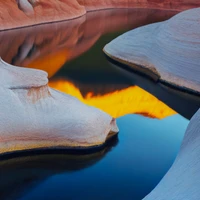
34 116
170 50
183 179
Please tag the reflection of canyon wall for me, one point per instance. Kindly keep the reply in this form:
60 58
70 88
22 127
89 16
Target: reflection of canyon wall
182 180
19 13
49 46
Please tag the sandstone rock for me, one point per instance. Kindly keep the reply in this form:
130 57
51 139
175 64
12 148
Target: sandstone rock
182 181
22 13
34 116
169 50
160 4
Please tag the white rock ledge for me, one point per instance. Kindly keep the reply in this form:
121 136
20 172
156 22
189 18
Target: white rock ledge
169 49
34 116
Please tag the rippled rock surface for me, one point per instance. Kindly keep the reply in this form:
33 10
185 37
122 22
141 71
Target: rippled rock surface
167 51
182 180
34 116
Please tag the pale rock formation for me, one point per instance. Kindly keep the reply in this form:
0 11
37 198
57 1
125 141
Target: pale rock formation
25 6
182 181
168 51
34 116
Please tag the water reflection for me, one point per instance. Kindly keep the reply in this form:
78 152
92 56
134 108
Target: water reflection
49 46
131 100
185 104
22 174
129 171
138 162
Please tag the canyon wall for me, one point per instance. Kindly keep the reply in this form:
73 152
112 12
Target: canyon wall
160 4
20 13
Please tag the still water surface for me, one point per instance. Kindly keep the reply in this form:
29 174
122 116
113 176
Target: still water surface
152 119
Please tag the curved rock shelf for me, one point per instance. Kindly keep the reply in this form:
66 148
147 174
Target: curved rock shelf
168 52
34 116
20 13
182 181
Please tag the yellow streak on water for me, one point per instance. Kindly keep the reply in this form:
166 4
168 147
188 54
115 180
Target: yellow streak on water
121 102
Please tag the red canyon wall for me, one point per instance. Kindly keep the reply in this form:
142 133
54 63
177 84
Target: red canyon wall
19 13
13 12
161 4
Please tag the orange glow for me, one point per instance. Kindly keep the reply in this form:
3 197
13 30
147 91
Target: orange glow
50 63
119 103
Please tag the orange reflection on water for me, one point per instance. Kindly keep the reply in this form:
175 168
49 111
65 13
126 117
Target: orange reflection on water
50 63
121 102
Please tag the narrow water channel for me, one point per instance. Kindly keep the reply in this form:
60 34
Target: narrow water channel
152 119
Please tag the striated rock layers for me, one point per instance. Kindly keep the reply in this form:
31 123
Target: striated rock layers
34 116
168 51
160 4
20 13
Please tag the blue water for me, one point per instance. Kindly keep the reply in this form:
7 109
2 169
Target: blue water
145 150
128 168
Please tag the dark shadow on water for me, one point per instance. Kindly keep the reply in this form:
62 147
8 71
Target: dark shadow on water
184 103
22 172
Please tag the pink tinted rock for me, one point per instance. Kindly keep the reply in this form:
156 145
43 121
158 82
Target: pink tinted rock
160 4
20 13
15 14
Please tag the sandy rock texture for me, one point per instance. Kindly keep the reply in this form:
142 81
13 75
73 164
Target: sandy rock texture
169 50
20 13
182 180
34 116
160 4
